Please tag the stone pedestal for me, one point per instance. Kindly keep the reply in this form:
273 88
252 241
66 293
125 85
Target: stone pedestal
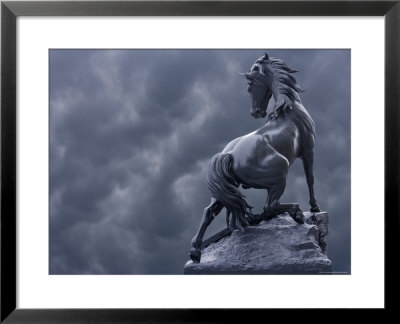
277 246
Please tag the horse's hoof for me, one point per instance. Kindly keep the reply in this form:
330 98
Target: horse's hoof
254 219
195 254
299 217
314 207
253 222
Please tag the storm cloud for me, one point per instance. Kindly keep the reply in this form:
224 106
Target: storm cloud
131 134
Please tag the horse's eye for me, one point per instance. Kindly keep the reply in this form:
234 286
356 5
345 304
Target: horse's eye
256 69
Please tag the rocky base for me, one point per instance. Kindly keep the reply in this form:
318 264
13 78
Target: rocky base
277 246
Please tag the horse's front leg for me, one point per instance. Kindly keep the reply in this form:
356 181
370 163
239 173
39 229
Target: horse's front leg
208 215
308 161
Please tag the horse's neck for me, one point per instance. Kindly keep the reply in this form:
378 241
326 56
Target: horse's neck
285 99
280 97
283 92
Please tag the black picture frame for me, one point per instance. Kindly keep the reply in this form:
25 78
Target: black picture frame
10 10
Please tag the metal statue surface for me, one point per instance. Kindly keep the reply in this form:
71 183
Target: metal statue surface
262 158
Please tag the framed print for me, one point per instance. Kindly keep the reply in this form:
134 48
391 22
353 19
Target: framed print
110 114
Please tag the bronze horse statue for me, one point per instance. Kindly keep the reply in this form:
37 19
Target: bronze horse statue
262 158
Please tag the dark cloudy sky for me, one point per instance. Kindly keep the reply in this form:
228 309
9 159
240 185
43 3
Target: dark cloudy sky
131 133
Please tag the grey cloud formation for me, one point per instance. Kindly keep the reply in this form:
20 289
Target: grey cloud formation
131 133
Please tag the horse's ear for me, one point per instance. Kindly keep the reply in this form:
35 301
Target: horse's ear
247 75
266 57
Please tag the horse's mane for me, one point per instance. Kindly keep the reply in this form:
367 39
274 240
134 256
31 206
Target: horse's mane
284 85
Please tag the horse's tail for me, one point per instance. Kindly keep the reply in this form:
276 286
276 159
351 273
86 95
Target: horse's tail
224 187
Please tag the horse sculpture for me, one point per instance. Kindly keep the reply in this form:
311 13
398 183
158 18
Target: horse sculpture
262 158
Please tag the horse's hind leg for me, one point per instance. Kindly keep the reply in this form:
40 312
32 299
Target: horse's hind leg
308 161
293 210
208 215
273 207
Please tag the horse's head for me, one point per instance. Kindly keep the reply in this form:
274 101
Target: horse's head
259 86
267 77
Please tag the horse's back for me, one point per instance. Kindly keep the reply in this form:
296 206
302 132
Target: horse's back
283 136
261 159
256 163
